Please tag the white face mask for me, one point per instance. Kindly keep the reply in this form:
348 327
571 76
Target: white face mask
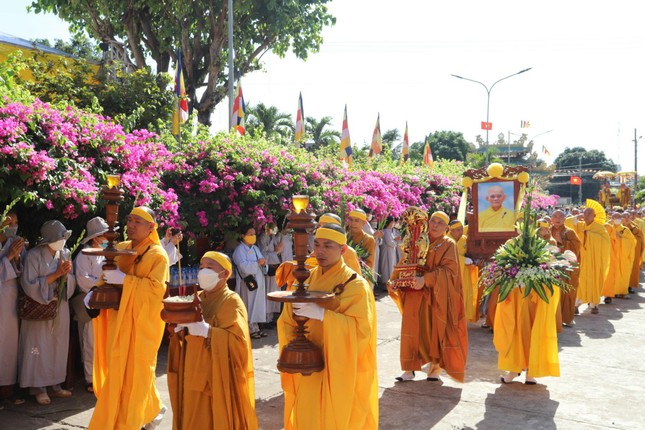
58 245
208 279
274 231
617 221
10 231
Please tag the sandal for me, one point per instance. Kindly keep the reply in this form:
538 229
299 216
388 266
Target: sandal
256 335
89 387
263 334
18 401
43 399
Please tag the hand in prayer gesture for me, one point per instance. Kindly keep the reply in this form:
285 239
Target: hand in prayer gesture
15 248
64 268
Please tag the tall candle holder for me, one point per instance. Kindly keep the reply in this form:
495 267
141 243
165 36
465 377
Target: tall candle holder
108 296
301 355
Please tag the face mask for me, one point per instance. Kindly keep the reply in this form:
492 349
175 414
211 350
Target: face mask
274 231
208 278
58 245
10 231
250 239
103 244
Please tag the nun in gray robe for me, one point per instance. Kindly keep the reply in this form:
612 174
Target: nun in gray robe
44 344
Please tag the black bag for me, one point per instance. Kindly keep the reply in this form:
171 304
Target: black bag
251 283
272 269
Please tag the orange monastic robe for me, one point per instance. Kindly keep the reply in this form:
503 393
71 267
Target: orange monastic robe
126 342
622 257
525 335
638 253
366 241
567 240
433 329
344 395
215 374
594 261
469 279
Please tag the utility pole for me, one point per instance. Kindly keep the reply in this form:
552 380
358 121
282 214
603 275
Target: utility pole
231 73
635 167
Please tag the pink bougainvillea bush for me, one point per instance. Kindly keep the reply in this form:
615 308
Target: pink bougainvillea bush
58 159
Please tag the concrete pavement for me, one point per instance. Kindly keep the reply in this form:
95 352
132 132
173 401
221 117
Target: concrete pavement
601 384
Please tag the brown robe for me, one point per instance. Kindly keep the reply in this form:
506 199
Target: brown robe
567 240
433 329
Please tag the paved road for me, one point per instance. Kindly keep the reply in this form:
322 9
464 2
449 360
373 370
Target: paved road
601 384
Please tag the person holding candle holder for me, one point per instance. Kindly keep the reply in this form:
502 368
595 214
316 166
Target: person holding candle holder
127 339
344 394
47 276
216 390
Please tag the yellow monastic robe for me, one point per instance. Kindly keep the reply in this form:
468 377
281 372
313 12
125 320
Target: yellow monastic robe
624 196
344 395
126 342
433 327
567 240
638 252
366 241
500 220
622 257
215 374
594 262
469 278
525 334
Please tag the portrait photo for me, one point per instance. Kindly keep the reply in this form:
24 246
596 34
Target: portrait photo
496 206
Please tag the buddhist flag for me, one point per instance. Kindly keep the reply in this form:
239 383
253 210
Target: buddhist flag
239 110
377 141
427 155
525 124
487 125
545 151
299 135
345 142
180 114
405 152
575 180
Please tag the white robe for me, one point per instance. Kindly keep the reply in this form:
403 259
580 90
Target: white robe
9 323
88 270
44 344
267 244
388 255
287 248
246 259
171 249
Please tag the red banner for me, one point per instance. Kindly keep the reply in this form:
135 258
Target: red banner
487 125
575 180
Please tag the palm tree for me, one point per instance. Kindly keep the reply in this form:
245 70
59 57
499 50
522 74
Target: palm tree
277 125
320 135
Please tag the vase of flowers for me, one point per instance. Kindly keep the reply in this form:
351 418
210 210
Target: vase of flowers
527 262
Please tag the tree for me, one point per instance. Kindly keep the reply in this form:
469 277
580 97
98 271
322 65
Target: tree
578 161
448 145
277 126
155 29
79 46
320 133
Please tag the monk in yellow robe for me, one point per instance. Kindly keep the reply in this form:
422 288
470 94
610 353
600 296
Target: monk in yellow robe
469 271
127 340
525 336
604 195
344 395
210 370
496 217
433 328
622 256
638 250
567 240
358 238
624 196
594 259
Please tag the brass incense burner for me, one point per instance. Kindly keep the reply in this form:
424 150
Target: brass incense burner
108 296
301 355
414 248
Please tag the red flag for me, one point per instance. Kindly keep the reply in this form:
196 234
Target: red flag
575 180
487 125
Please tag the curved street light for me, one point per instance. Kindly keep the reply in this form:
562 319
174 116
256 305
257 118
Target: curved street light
488 90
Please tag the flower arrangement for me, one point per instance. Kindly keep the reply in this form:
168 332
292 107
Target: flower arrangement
527 262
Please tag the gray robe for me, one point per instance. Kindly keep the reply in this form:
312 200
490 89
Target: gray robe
267 244
44 344
389 258
246 263
9 323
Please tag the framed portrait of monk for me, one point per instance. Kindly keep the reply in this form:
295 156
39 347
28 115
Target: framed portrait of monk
494 206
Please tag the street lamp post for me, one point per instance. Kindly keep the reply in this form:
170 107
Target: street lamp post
488 90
